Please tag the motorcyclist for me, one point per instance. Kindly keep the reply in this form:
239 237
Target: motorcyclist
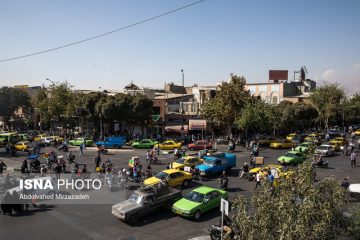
35 164
223 180
24 167
148 171
70 157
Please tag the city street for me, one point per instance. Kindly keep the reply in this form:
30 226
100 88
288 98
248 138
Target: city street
97 222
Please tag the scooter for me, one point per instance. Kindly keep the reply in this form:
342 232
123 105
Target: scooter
322 164
63 147
215 232
223 183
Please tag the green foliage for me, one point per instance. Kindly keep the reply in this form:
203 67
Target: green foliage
12 99
296 209
259 116
354 223
228 102
326 100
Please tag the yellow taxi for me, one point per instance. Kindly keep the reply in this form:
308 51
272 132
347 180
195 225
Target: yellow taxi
38 138
291 136
357 132
168 145
187 161
281 144
264 171
266 141
336 146
22 146
172 177
58 139
339 141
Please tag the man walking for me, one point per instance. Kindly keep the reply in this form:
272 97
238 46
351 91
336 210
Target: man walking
258 179
82 150
2 167
353 159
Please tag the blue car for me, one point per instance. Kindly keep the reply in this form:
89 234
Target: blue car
112 142
217 163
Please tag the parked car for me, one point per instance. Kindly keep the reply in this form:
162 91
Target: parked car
325 150
200 145
145 201
112 142
282 144
172 177
217 163
58 139
145 143
24 137
81 140
357 132
198 201
168 145
292 158
187 161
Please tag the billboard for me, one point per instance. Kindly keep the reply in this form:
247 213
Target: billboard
197 124
278 74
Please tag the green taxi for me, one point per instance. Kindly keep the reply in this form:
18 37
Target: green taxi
79 141
292 157
145 143
199 201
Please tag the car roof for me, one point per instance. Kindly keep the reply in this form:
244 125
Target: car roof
293 152
204 189
169 171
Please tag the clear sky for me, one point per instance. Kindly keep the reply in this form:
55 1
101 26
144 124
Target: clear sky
208 40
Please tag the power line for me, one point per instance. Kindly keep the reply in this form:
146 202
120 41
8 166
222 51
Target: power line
103 34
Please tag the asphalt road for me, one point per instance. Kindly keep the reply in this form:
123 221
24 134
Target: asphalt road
96 221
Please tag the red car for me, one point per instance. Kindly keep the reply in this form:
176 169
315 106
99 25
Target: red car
200 145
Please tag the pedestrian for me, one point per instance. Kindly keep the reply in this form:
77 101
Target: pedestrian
82 150
245 170
258 179
2 167
148 156
84 143
353 159
345 183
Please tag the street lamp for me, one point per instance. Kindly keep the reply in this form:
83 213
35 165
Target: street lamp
182 103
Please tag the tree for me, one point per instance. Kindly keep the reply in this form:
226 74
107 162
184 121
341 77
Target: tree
57 104
295 209
259 116
303 114
11 99
231 97
326 101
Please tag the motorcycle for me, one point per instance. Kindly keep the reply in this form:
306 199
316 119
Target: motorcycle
223 183
70 157
63 147
322 164
154 160
215 232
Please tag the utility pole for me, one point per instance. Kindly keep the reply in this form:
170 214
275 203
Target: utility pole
182 104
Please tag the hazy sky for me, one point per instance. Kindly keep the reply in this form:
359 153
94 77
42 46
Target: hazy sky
208 40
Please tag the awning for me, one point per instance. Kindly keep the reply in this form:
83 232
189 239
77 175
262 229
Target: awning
176 129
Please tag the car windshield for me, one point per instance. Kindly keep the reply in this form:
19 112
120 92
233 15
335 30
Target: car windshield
323 147
180 160
289 155
161 175
209 163
304 145
136 198
194 196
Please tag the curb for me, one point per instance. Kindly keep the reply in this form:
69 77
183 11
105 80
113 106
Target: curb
201 238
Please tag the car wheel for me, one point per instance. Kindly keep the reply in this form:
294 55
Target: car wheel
197 215
152 146
116 146
133 219
169 205
185 184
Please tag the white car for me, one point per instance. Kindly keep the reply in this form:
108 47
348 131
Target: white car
47 141
325 150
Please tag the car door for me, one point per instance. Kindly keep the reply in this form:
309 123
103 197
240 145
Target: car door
215 199
179 178
172 181
149 205
217 166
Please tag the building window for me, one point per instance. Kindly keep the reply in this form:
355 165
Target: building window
275 100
